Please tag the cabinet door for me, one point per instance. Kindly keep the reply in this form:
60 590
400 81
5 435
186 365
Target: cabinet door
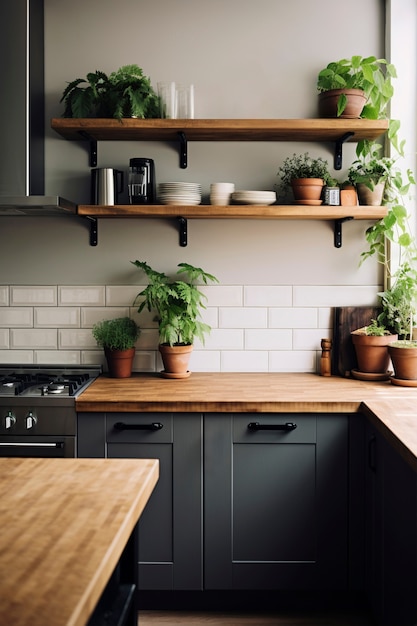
170 535
391 534
276 502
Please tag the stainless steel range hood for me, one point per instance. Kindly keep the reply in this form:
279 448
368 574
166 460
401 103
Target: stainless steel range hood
22 113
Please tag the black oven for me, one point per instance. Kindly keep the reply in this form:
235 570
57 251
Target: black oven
37 409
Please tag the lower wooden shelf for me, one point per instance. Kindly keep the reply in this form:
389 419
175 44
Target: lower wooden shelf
182 213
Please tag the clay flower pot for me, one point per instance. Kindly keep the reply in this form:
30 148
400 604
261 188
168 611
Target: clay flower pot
175 360
370 197
120 362
356 100
372 352
307 190
404 360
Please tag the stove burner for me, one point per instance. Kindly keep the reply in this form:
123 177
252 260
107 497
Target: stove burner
38 381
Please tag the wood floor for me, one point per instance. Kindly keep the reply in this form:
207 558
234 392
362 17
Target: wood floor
173 618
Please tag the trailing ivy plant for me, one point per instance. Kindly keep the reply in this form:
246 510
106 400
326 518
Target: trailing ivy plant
177 303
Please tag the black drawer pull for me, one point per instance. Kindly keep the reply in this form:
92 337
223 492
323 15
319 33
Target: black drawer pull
152 426
257 426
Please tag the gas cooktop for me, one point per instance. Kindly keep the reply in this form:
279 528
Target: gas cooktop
45 381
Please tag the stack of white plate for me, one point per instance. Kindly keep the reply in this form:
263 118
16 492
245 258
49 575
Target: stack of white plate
179 193
254 197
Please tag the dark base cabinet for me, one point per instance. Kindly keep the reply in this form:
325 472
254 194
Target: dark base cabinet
391 546
276 502
170 528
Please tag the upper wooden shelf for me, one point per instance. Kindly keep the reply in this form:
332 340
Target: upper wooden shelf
129 129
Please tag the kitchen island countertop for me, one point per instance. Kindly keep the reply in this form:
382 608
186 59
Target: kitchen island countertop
64 526
392 409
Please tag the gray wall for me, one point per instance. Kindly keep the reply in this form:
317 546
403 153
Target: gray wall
246 59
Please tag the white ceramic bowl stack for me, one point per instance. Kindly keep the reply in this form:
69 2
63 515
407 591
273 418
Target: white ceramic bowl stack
254 197
221 193
179 193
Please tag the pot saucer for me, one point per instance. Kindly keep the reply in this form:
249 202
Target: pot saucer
165 374
372 376
402 382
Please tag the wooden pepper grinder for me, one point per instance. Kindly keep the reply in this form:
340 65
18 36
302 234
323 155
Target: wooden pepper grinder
325 361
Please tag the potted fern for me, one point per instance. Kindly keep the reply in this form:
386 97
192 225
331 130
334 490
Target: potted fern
356 87
127 92
117 337
178 305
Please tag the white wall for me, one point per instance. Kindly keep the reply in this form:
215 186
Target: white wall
245 59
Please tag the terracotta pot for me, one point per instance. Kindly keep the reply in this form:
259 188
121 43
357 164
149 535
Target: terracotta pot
175 360
404 361
356 100
372 352
120 362
369 197
307 189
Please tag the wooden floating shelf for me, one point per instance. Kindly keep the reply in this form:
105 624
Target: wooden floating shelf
208 211
182 213
128 129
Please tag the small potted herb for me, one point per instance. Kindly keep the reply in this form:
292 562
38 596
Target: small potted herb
305 175
117 337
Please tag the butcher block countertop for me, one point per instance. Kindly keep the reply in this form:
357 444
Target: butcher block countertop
391 408
64 526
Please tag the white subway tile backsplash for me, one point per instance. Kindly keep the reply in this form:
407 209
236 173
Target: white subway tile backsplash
326 317
144 361
305 339
148 339
4 295
4 338
267 295
57 357
293 317
268 339
16 317
34 338
223 295
292 361
122 295
31 296
57 317
243 317
340 295
80 338
223 339
92 315
205 361
21 357
241 361
82 296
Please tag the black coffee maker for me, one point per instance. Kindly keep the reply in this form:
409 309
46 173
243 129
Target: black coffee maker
141 181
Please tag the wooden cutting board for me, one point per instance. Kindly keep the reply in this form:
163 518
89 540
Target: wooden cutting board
346 319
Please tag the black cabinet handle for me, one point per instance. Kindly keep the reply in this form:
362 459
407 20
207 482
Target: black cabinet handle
152 426
257 426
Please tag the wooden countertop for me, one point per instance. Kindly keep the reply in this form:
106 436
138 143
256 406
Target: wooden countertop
64 525
393 409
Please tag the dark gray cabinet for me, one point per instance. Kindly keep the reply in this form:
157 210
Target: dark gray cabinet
391 546
170 529
276 501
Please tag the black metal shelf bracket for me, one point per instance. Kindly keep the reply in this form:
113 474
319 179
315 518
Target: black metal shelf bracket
93 147
338 231
338 152
93 230
183 150
183 231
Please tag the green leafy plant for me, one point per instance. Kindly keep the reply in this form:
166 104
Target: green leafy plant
302 166
375 329
120 333
127 92
177 303
369 74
